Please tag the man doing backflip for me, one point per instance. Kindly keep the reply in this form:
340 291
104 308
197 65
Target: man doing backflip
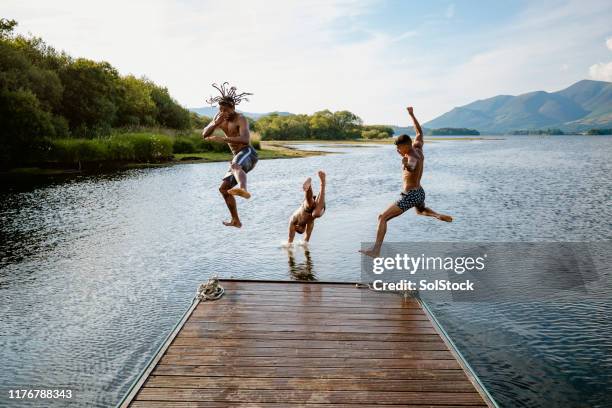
238 138
413 194
312 207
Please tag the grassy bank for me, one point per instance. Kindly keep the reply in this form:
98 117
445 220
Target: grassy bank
153 149
137 149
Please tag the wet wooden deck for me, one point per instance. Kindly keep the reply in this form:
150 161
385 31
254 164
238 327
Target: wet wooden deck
279 344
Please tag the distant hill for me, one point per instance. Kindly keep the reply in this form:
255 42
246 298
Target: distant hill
212 111
584 105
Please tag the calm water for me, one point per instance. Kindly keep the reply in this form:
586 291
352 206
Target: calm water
95 271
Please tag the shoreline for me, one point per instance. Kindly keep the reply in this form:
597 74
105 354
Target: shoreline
271 149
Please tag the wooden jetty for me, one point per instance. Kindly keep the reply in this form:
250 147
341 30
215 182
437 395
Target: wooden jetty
306 344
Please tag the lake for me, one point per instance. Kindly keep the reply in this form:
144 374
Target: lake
96 270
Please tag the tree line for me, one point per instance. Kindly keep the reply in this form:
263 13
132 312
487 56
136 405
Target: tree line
322 125
47 94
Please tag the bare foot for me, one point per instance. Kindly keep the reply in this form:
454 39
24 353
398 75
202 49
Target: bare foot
232 223
370 252
239 192
307 184
446 218
322 176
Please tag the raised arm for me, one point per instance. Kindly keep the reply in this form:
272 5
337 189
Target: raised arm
210 128
418 140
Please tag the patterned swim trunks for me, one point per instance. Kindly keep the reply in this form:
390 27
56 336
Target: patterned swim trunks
411 198
247 159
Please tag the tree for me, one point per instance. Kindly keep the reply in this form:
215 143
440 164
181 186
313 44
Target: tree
24 126
90 96
169 112
135 106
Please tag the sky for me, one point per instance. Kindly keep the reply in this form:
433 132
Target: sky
372 57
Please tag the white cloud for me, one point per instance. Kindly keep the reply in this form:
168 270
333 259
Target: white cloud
302 58
601 71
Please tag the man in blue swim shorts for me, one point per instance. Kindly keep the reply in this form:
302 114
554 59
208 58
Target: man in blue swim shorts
413 194
238 138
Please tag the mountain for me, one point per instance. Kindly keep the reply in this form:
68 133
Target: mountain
584 105
212 111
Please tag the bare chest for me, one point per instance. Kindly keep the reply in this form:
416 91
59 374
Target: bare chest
230 129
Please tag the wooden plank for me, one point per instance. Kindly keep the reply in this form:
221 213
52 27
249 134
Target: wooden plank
327 322
221 307
350 336
309 372
313 362
248 351
292 317
287 299
300 396
354 294
424 342
260 316
410 327
311 384
214 404
316 353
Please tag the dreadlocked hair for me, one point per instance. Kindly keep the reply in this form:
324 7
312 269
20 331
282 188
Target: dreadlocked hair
228 96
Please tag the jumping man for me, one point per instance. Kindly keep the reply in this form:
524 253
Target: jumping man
312 208
413 194
238 138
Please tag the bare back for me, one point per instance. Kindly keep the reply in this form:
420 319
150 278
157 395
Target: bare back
412 178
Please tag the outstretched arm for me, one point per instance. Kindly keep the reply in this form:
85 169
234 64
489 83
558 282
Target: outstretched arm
309 229
291 231
418 140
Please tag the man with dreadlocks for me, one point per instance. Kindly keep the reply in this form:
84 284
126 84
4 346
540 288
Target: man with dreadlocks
238 138
413 194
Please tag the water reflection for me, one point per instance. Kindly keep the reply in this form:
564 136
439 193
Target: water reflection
301 269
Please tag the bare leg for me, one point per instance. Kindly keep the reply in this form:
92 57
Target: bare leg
241 188
428 212
230 201
320 201
391 212
308 195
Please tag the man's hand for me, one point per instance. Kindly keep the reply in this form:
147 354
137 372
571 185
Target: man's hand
410 110
216 138
219 119
207 133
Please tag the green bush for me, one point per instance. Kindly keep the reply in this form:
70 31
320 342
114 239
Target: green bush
148 147
183 145
138 147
